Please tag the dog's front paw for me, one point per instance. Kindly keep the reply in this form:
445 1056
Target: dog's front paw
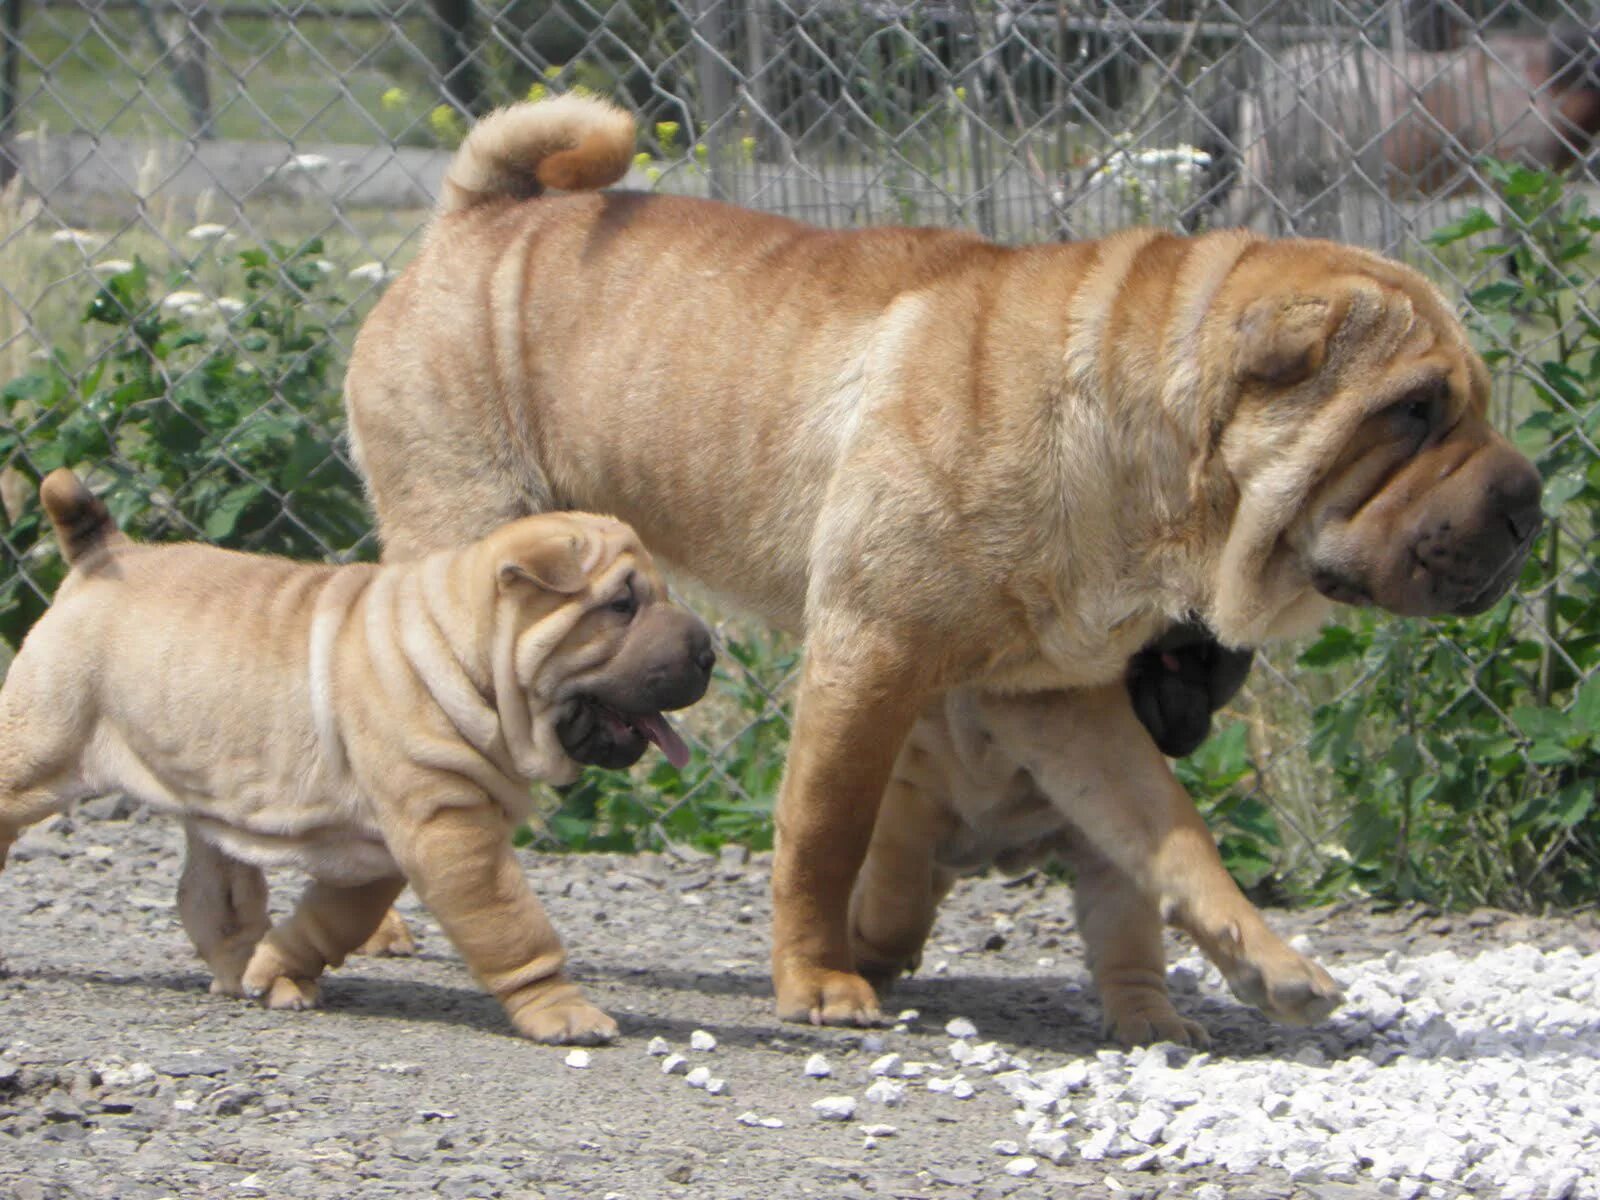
818 996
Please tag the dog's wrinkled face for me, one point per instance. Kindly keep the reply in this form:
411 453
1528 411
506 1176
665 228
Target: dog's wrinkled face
1366 466
599 649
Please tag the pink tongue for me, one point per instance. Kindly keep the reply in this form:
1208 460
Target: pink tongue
656 728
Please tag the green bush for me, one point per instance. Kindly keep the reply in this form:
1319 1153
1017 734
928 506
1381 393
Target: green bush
195 420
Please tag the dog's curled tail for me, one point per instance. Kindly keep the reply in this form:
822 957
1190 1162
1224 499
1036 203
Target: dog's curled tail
81 519
573 143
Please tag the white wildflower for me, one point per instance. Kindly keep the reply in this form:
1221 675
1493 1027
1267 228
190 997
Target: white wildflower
179 301
370 272
82 239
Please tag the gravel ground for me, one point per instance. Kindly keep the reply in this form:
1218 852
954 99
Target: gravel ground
1464 1064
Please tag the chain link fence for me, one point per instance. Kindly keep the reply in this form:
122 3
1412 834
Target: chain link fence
242 177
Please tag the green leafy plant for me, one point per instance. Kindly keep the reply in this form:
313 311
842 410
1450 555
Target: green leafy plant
1470 746
198 418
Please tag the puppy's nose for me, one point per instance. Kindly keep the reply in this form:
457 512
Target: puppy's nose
700 650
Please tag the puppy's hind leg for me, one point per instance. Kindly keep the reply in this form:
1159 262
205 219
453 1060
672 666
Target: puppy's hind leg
39 755
326 926
898 892
223 906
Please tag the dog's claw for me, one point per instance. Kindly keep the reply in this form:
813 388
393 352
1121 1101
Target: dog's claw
828 998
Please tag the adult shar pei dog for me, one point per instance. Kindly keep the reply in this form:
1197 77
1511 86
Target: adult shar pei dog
367 725
977 478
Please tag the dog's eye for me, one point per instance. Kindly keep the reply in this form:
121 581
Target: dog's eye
627 603
1418 410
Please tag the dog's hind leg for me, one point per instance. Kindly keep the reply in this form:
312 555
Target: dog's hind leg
326 926
223 906
1122 932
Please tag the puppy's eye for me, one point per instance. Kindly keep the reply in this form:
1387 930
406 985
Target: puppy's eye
627 604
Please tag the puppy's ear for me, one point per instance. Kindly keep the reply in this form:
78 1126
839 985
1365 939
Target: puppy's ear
556 562
1282 340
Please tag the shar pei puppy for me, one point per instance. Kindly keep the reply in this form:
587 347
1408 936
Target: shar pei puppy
978 479
367 725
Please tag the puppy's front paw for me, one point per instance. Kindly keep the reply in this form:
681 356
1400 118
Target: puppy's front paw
292 995
273 981
565 1023
1262 970
392 938
1143 1025
1286 986
818 996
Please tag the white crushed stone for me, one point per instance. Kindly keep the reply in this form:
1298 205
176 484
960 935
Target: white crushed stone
701 1040
834 1108
756 1121
817 1067
1467 1071
658 1047
889 1064
699 1077
909 1015
960 1027
879 1131
716 1087
1007 1148
888 1092
578 1060
1021 1167
674 1064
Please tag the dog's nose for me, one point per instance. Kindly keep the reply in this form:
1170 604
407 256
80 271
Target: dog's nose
1519 498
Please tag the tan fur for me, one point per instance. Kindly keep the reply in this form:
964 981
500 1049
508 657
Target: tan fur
952 465
573 144
367 725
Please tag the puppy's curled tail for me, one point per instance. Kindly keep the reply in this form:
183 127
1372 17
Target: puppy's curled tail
573 143
81 519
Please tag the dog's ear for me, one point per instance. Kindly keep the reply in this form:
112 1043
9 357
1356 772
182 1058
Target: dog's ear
558 562
1282 340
